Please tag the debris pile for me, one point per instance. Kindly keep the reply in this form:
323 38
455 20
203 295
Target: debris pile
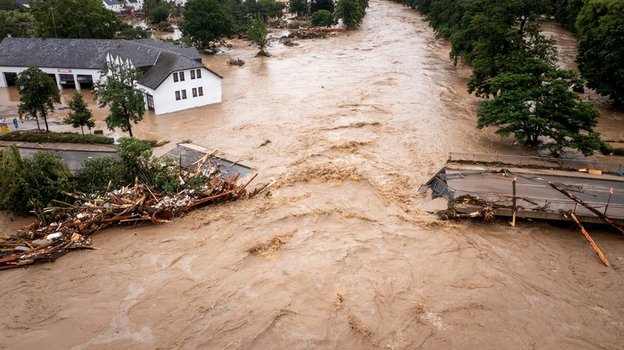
313 33
236 62
70 226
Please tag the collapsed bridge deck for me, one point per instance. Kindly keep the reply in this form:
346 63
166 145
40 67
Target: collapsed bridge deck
535 196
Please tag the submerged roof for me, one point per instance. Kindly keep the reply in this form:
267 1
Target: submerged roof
157 59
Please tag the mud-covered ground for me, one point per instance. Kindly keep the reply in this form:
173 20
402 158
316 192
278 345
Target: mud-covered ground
337 256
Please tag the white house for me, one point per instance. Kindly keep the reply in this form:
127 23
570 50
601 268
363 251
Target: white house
173 76
117 6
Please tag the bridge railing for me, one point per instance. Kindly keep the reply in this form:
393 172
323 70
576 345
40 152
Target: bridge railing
548 162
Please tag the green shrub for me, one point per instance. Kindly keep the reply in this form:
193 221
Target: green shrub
99 175
32 184
55 137
605 148
322 18
618 151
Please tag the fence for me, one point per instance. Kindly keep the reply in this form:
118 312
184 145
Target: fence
547 162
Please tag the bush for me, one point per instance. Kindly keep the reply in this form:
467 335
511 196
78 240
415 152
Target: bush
29 184
322 18
159 14
605 148
55 137
139 164
99 175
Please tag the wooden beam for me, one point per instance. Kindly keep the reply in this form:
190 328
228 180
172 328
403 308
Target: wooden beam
589 207
590 240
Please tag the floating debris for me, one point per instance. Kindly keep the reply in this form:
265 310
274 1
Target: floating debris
71 226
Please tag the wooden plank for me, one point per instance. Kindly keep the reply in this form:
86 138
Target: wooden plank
590 240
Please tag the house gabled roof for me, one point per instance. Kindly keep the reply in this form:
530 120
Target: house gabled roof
114 2
156 58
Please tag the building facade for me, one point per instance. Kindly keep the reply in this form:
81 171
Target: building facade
173 77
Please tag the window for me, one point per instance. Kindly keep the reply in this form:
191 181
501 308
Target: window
192 74
181 76
177 93
184 94
199 74
201 91
175 77
194 91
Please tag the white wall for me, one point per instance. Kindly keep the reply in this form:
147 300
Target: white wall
164 96
95 74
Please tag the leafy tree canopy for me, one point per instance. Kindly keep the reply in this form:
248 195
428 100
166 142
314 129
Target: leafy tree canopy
322 18
31 184
16 24
118 91
257 32
206 21
38 93
298 7
351 12
87 19
80 114
535 103
317 5
601 47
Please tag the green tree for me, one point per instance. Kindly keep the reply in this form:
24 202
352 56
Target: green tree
351 12
9 5
34 182
17 24
87 19
80 114
100 175
159 13
322 18
536 104
566 12
118 91
601 47
38 93
317 5
257 32
298 7
206 21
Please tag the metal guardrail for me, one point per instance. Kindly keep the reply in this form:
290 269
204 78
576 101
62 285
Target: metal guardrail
561 163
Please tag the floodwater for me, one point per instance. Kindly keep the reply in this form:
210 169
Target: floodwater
337 255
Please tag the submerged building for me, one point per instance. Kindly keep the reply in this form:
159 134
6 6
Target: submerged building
173 76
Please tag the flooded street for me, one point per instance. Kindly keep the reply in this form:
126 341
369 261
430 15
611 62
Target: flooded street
337 255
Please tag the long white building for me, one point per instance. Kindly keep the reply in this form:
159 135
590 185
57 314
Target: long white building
173 76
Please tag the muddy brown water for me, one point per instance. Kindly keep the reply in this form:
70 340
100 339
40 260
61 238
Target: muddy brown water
338 255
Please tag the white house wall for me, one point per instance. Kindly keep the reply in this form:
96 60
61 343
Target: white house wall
95 74
164 95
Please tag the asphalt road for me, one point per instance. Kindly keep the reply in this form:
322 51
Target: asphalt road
496 187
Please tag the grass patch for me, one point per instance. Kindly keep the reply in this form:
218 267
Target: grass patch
55 137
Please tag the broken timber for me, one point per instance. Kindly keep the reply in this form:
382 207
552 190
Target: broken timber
588 237
589 207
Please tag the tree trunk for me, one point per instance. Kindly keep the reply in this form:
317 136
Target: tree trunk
37 119
82 129
45 119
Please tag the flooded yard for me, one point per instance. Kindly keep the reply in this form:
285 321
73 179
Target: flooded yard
337 255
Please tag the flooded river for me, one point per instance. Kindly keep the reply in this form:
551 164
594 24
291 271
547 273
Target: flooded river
337 255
